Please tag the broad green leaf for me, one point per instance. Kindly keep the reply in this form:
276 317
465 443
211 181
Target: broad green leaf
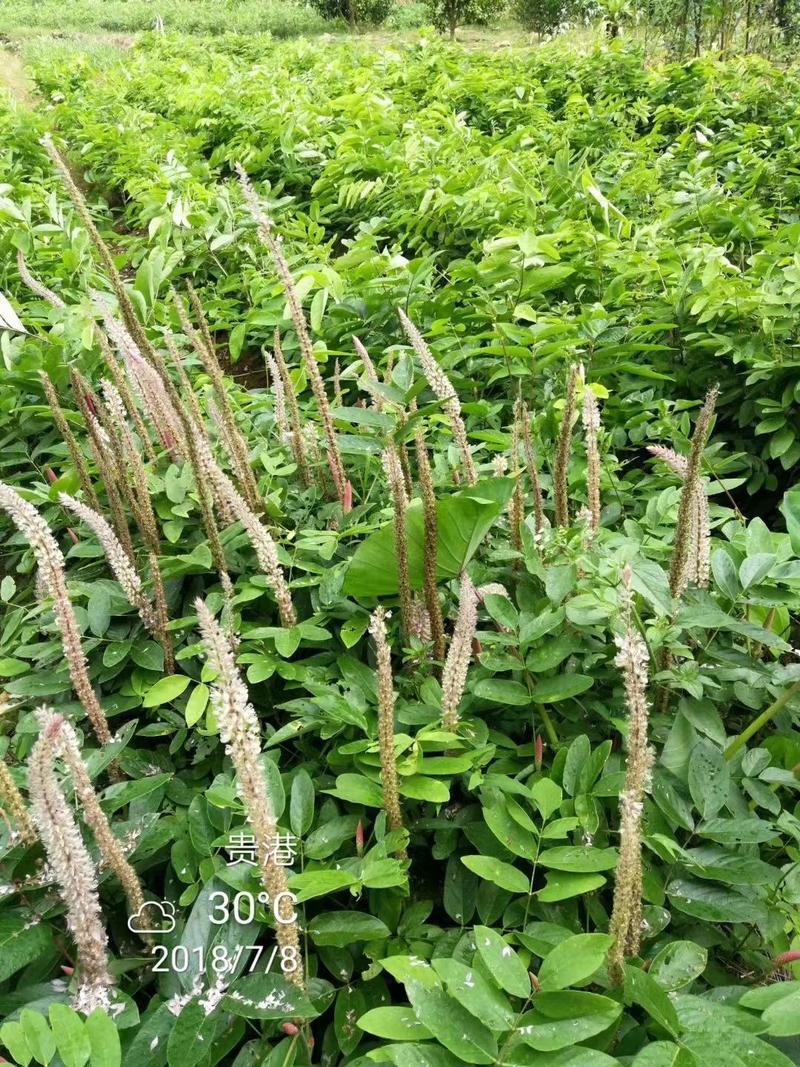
301 803
454 1027
574 960
709 778
494 870
477 994
562 885
394 1024
72 1038
165 690
562 1019
38 1035
344 927
678 964
20 942
268 995
104 1039
714 903
580 859
463 520
197 703
502 961
560 687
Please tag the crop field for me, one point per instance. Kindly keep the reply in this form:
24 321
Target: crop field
399 546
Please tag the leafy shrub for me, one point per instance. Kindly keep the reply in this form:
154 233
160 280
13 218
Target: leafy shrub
356 12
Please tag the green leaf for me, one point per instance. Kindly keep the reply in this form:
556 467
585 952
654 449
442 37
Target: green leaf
475 992
191 1039
104 1040
20 943
454 1026
165 690
791 512
268 996
196 704
714 903
564 1018
394 1024
641 989
494 870
579 858
502 691
301 803
98 608
357 789
709 778
463 520
38 1035
574 960
312 884
560 687
341 928
678 964
12 1037
72 1039
504 964
561 885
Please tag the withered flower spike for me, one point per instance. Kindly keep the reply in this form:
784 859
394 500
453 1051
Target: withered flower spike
386 702
456 666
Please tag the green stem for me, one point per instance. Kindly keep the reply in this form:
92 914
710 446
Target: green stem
761 720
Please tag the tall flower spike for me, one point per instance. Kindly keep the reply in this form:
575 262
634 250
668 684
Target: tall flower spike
106 460
278 400
273 245
444 391
397 487
298 443
73 869
386 699
626 917
533 468
516 508
235 442
591 428
698 562
11 801
260 538
370 373
239 732
51 563
454 675
124 571
76 196
430 542
692 524
76 455
563 452
66 746
36 286
139 497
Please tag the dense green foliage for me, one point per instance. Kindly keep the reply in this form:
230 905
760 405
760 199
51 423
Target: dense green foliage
528 211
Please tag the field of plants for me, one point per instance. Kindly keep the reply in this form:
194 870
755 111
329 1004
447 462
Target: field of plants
399 557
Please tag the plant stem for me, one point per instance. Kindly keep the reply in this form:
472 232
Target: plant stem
761 720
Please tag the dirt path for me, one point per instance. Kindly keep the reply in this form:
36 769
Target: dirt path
14 78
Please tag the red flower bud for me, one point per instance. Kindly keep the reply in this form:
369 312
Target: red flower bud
534 982
360 838
347 499
538 750
51 475
290 1029
68 971
72 535
787 957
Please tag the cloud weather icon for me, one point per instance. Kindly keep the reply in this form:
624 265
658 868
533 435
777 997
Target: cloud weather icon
145 920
